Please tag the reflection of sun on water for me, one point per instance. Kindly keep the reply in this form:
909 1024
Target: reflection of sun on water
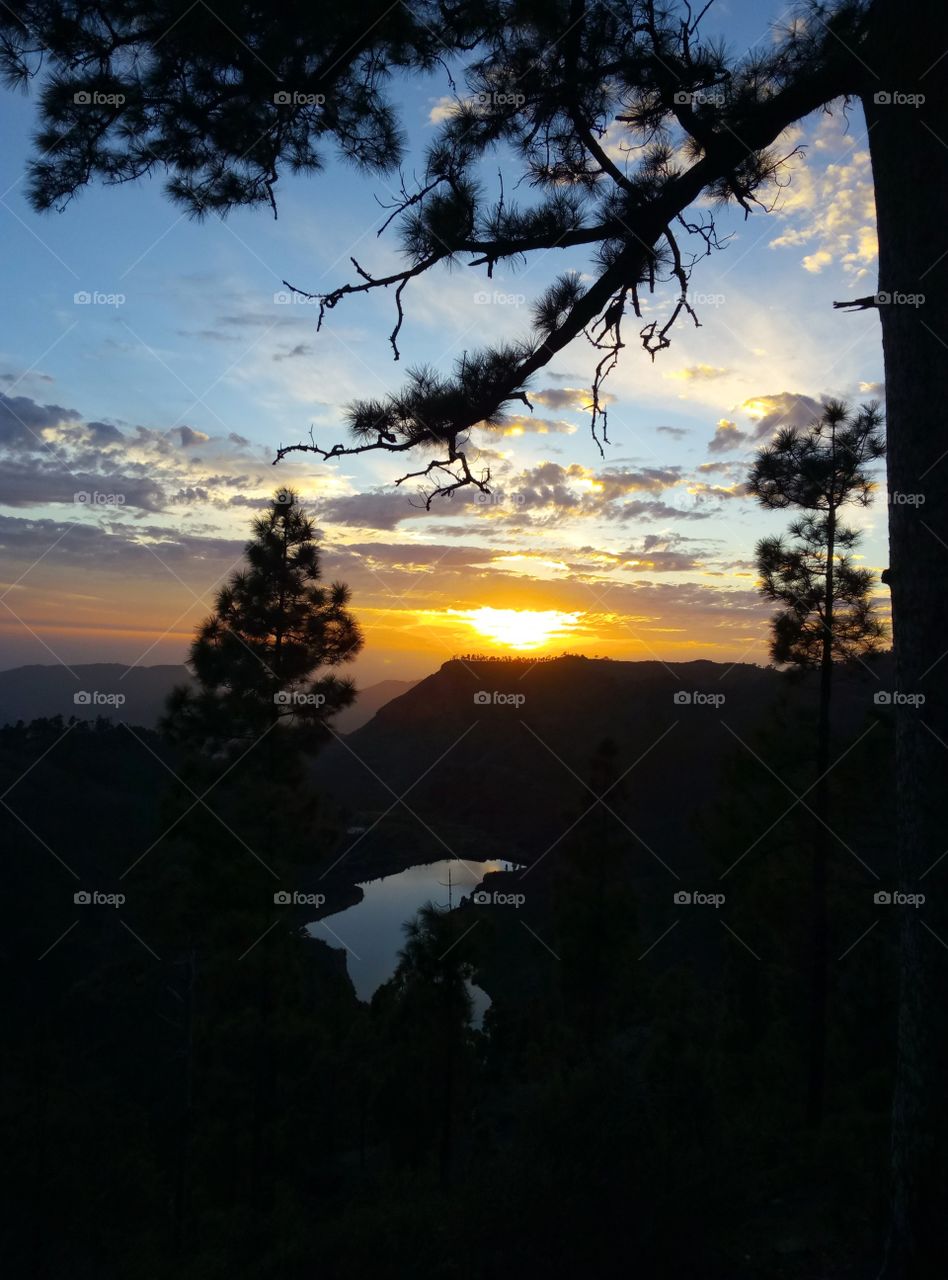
521 629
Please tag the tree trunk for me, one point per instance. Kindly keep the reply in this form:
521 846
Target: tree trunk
820 925
909 149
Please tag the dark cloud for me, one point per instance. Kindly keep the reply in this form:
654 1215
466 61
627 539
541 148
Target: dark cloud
785 409
188 436
104 433
113 546
677 433
378 509
727 435
39 482
22 419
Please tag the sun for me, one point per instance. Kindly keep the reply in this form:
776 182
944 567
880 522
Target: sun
521 629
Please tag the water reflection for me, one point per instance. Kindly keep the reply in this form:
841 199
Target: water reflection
371 931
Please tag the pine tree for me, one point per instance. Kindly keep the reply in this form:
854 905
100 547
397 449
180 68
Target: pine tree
826 614
256 658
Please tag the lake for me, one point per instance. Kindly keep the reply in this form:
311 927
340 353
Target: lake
371 931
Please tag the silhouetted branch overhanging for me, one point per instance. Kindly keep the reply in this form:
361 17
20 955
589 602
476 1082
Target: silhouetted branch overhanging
638 245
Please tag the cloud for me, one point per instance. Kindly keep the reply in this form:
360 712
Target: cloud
785 409
677 433
568 398
378 509
35 483
698 373
815 262
522 426
114 546
22 419
830 206
576 487
702 490
189 436
727 435
444 109
875 389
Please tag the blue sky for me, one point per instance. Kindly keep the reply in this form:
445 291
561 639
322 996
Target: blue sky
191 371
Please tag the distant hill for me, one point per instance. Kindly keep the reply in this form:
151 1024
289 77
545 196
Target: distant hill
369 701
504 748
27 693
88 690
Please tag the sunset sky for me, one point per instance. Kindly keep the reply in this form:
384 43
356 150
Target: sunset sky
175 386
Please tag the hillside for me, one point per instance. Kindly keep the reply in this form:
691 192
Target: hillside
513 767
28 693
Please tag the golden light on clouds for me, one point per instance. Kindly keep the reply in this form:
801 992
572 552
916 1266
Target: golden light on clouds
520 629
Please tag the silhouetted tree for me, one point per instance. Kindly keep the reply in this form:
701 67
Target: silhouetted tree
255 658
827 612
429 1011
